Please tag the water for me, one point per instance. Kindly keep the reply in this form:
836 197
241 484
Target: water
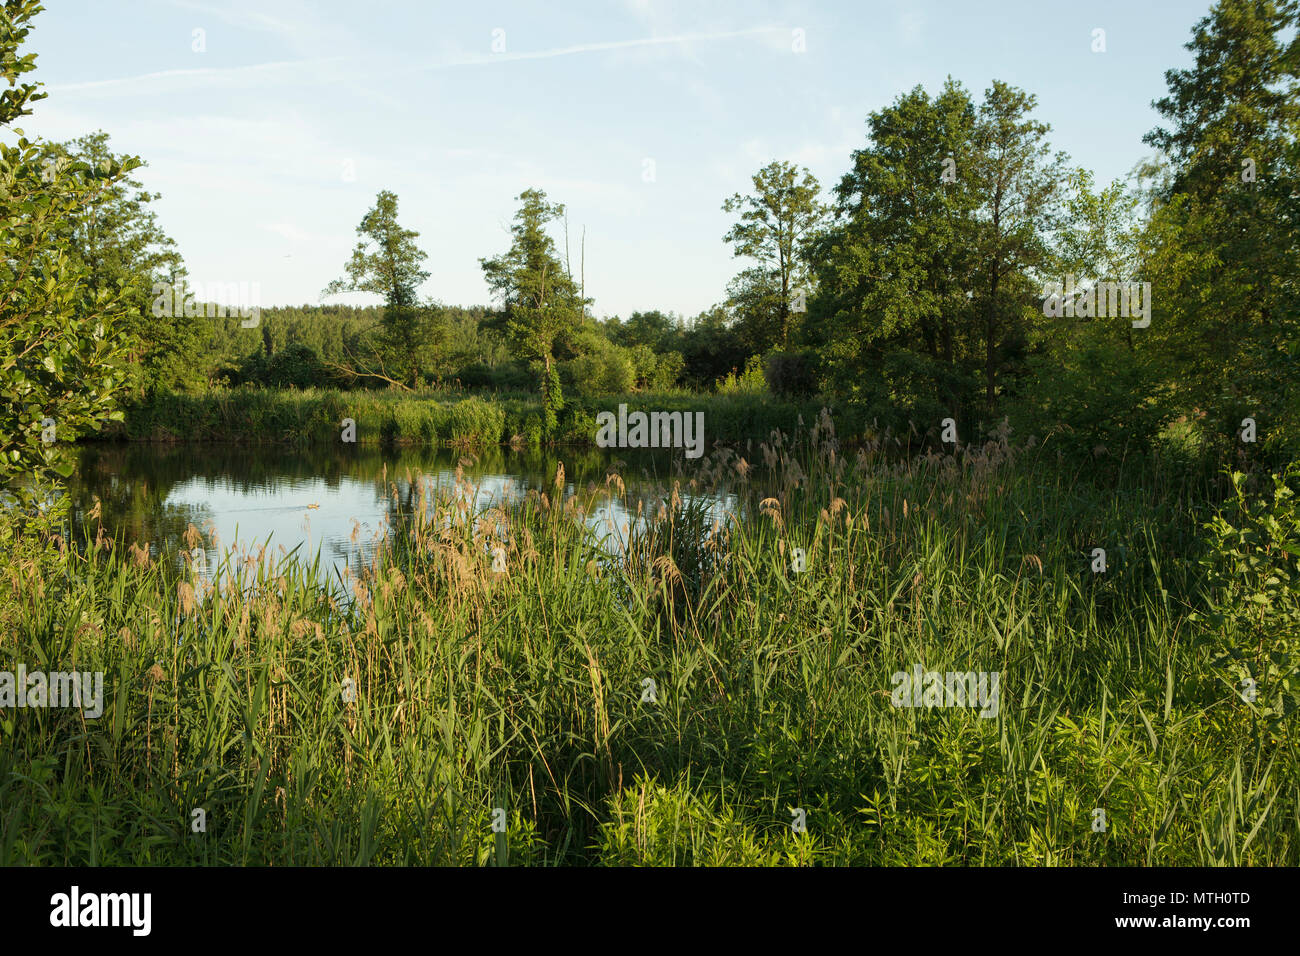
339 501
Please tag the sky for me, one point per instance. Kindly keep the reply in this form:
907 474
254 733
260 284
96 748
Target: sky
269 132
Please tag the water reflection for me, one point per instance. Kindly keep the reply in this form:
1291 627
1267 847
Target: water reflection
337 502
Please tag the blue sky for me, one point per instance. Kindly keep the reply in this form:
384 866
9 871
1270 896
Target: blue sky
252 141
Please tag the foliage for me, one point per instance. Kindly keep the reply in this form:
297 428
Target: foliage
604 371
791 374
542 304
62 347
749 382
1252 599
777 223
116 240
387 262
1224 231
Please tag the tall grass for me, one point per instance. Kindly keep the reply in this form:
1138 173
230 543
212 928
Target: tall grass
436 416
524 689
313 416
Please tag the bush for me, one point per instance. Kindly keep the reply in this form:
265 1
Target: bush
1252 616
295 366
791 374
508 376
749 382
605 372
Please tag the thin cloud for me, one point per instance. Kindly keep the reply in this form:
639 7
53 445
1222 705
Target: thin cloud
200 73
481 58
239 72
251 19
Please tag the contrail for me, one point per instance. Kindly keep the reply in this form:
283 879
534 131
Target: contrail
595 47
475 60
203 71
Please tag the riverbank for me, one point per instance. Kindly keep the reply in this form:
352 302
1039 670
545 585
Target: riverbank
438 417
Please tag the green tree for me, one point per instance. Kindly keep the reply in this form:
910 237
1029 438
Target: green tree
1097 377
777 221
62 352
653 328
388 262
542 305
894 316
117 241
711 347
926 290
1019 183
759 311
1224 237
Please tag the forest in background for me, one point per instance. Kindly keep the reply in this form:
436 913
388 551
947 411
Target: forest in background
917 288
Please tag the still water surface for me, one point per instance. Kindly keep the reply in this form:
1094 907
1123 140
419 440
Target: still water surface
336 502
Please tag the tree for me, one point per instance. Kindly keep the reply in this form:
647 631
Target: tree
894 315
776 223
711 348
760 312
1224 237
62 353
1019 183
542 305
926 287
653 328
388 262
116 240
1096 376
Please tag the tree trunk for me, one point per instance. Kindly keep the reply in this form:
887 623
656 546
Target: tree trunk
989 346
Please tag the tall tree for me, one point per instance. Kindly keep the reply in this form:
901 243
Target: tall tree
1224 238
388 262
926 278
116 240
62 354
1019 182
894 314
777 221
542 304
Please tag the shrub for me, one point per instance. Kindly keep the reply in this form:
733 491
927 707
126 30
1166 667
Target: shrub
295 366
791 374
1252 603
749 382
607 371
505 377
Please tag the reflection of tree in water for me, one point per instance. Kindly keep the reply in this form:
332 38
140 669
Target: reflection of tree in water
132 488
134 482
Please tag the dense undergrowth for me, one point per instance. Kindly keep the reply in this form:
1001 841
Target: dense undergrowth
434 416
526 689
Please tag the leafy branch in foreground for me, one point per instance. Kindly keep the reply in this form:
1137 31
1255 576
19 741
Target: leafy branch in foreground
62 350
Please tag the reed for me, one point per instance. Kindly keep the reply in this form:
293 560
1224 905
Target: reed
524 689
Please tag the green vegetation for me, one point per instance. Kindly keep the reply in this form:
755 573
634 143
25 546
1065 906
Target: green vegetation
387 262
1160 688
524 690
59 347
441 417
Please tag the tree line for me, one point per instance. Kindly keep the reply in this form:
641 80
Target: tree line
915 286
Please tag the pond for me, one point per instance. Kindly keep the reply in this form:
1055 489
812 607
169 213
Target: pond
336 502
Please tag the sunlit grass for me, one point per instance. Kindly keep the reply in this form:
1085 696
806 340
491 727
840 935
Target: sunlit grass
523 689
